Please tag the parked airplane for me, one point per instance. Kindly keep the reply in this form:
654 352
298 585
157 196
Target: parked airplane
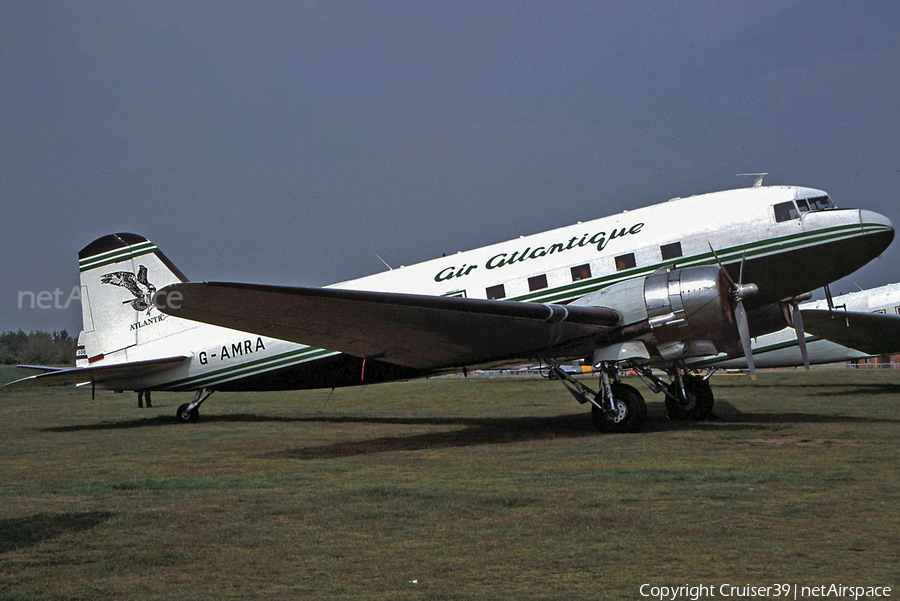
841 333
655 286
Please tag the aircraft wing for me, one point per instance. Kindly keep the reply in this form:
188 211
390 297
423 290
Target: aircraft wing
97 373
872 333
418 331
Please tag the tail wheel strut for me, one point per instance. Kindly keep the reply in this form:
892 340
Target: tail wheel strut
189 413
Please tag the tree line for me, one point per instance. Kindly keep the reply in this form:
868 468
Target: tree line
37 348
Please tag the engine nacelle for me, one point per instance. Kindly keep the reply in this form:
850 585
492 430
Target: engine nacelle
679 313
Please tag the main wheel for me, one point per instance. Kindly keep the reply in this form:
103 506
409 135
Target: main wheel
705 399
184 417
698 403
630 411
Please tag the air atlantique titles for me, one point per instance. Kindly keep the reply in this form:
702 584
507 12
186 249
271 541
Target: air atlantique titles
599 240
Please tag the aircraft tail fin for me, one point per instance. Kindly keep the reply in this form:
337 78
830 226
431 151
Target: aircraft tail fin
119 275
81 359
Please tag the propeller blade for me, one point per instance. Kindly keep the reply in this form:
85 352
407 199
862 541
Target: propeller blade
722 267
740 291
797 318
740 316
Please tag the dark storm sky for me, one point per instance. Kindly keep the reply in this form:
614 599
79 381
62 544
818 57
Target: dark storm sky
289 142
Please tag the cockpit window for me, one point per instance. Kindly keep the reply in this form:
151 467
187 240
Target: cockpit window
821 203
785 211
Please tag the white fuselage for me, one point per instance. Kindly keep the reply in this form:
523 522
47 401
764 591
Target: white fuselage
555 266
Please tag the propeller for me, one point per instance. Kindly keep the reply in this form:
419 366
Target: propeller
739 291
795 317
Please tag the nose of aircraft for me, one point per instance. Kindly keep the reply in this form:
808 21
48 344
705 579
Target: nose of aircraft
877 226
871 217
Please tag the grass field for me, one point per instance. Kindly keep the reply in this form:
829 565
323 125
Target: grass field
447 488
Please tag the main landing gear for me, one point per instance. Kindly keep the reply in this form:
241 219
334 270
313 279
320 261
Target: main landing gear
617 407
188 413
688 396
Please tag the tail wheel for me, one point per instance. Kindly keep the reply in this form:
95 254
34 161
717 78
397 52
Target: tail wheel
698 404
186 417
629 414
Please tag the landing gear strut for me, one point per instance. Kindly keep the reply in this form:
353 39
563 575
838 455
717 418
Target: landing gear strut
688 396
617 407
188 413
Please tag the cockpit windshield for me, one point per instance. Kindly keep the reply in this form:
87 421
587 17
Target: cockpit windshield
785 211
821 203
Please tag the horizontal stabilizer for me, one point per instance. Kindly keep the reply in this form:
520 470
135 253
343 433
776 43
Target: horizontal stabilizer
419 331
872 333
44 368
98 373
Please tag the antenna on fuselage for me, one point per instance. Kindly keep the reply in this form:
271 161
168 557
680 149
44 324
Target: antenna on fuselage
383 261
757 178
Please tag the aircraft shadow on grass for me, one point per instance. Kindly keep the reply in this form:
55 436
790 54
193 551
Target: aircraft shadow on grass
21 533
512 430
481 431
864 390
835 389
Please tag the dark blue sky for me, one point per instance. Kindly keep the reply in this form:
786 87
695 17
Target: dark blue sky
290 142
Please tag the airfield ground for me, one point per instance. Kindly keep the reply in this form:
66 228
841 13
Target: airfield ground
447 488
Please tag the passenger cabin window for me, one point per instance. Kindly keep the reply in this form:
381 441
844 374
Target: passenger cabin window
882 311
582 272
897 310
671 251
457 294
496 292
624 262
537 282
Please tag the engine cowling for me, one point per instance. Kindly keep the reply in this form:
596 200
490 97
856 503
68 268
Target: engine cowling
679 313
688 312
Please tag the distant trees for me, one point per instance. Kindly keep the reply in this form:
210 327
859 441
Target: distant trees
37 348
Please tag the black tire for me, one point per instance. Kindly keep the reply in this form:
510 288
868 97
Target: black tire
699 402
187 418
705 399
631 415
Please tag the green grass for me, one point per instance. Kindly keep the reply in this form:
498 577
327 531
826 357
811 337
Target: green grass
470 488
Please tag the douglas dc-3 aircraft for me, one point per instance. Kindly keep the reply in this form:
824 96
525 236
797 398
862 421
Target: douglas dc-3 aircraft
657 286
857 325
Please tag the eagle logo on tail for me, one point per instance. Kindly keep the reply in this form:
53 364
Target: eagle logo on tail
138 285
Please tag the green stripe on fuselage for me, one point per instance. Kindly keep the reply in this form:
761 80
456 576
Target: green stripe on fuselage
752 250
301 355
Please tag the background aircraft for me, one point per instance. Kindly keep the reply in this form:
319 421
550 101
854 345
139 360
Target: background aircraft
656 286
860 325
